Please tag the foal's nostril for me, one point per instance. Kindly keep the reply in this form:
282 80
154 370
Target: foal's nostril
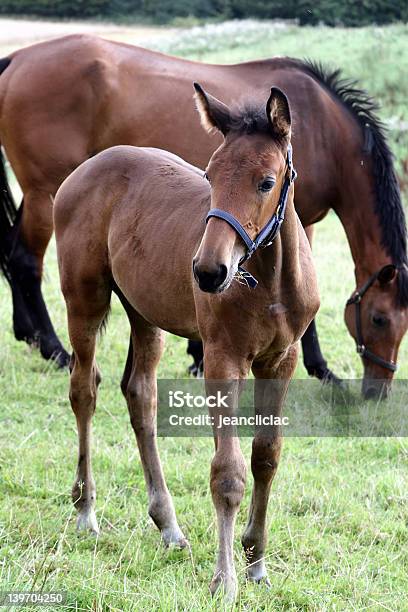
194 270
222 274
210 280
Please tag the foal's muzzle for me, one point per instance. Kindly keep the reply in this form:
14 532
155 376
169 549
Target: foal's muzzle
210 279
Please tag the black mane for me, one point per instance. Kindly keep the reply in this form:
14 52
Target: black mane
388 207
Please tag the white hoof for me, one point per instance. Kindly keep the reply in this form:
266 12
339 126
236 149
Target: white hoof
86 521
257 573
174 537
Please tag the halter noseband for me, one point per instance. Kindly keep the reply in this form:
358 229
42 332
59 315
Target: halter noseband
269 232
362 350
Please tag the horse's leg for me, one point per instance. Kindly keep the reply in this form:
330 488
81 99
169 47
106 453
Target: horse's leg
36 232
228 468
14 270
84 320
313 359
266 447
26 262
139 386
195 349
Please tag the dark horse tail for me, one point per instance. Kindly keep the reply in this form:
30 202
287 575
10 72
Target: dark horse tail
8 209
8 217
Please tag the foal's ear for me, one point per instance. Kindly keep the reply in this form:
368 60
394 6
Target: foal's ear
278 113
214 114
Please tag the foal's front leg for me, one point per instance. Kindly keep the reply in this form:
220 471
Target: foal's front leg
228 468
266 448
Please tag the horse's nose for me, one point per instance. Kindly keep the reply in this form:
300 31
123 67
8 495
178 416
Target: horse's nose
375 390
209 278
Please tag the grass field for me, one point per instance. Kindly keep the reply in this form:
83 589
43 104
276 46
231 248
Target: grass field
338 531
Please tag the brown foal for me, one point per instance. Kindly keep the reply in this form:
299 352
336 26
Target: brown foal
134 218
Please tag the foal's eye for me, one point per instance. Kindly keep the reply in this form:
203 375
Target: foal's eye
379 320
266 185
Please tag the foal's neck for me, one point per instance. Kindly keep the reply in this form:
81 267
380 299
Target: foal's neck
279 263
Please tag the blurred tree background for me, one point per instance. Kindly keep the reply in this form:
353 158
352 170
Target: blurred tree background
331 12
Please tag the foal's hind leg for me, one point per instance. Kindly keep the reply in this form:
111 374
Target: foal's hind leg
266 447
84 321
139 386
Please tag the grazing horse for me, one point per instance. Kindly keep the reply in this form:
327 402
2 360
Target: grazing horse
135 219
65 100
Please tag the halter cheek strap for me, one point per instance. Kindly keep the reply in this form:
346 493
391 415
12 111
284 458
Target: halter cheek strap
362 350
269 232
233 222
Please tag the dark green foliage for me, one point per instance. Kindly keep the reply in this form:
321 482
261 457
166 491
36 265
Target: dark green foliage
164 10
331 12
351 12
55 8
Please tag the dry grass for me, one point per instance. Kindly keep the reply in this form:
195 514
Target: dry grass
16 33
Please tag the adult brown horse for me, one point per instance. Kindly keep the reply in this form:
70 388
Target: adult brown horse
124 215
63 101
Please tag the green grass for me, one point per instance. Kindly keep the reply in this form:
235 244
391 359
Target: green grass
376 56
338 530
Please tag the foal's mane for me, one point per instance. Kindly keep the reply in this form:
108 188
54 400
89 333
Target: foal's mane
388 207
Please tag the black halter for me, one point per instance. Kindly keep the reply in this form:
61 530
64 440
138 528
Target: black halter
268 233
361 348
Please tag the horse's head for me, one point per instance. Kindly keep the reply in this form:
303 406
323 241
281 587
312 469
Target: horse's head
378 321
246 174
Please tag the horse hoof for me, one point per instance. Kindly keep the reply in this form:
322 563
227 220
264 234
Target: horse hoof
263 580
86 521
331 379
257 574
324 374
192 370
61 359
225 585
196 370
58 355
173 537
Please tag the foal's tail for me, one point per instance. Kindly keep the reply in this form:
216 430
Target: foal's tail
8 216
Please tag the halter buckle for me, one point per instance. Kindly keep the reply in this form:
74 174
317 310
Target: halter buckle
361 349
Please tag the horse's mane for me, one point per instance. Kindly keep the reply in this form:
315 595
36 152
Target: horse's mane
388 208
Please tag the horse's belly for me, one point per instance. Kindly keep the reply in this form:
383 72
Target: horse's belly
163 298
178 318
